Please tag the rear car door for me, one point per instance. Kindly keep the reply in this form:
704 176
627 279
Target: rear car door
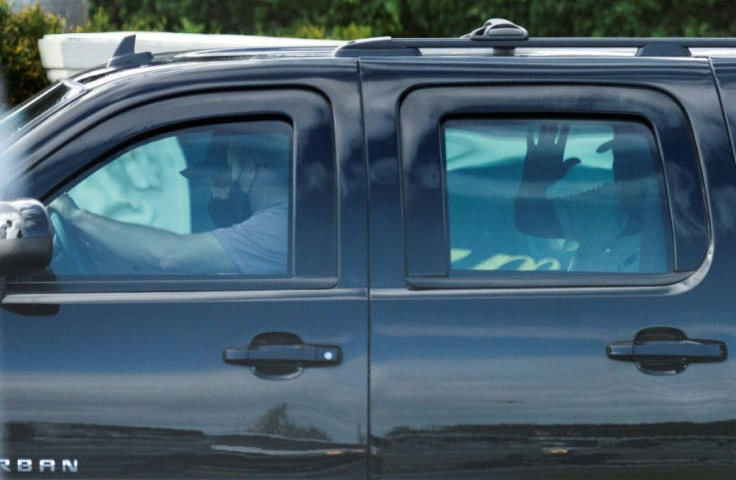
552 296
115 370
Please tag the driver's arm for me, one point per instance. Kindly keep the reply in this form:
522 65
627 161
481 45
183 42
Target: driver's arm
149 247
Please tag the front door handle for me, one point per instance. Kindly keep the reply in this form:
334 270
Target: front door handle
666 350
281 355
302 355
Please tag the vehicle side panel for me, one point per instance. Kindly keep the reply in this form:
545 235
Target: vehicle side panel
515 382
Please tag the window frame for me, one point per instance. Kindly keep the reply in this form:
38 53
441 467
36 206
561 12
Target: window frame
423 182
313 264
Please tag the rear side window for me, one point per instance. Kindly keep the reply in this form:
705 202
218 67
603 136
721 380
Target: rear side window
522 186
562 195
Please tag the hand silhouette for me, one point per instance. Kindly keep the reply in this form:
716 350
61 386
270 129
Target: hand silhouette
545 164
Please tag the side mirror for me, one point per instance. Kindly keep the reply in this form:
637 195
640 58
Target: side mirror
26 237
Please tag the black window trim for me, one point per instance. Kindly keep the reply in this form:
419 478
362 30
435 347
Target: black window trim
421 145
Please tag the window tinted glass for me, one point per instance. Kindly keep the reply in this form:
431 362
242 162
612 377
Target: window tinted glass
209 200
555 195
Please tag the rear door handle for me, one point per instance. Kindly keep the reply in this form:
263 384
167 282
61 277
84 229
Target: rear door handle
666 350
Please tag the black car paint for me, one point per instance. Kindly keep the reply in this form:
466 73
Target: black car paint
512 381
133 384
438 380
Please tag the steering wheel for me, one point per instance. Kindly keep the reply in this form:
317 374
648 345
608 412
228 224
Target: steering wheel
63 242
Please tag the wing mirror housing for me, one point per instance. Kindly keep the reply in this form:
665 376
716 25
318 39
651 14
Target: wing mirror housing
26 237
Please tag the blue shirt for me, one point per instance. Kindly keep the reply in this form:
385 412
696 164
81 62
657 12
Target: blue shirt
260 244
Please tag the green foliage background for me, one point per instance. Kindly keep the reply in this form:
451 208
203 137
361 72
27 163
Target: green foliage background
19 59
349 19
424 18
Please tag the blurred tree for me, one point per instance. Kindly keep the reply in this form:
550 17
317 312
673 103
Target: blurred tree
426 18
257 17
350 19
141 15
20 62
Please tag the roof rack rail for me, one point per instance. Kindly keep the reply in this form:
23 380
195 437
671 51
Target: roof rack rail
125 56
504 37
647 46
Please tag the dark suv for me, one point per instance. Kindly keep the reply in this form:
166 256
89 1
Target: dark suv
485 257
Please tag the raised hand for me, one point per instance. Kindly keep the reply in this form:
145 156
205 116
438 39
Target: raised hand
545 164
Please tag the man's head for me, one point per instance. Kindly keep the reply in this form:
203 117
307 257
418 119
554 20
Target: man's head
259 167
249 159
258 160
234 145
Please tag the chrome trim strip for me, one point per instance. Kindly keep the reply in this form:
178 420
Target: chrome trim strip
346 294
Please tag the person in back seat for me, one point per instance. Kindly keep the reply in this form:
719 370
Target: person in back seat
606 222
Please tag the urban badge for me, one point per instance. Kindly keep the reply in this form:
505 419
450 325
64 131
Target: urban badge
26 465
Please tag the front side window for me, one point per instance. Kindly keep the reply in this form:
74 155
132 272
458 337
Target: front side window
208 200
559 195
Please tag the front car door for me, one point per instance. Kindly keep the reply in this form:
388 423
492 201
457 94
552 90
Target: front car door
558 302
114 368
